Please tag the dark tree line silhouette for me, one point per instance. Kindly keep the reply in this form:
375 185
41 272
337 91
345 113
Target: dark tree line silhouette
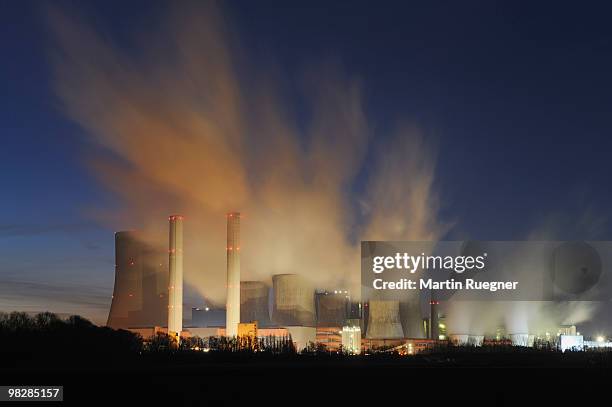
47 340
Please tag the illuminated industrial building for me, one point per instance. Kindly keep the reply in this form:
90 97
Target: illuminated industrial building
248 329
330 337
351 339
233 274
571 343
600 342
442 330
175 283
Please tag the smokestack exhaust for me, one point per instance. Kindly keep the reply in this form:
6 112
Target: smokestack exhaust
233 274
175 281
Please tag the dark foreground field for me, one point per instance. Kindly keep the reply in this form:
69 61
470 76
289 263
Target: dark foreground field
98 365
451 379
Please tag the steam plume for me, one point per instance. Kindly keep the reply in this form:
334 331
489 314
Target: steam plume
186 125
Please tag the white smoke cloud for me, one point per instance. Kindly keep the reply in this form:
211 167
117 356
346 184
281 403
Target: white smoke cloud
186 123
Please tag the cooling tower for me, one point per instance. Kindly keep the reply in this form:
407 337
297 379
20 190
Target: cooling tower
140 292
175 279
154 287
233 274
127 292
293 301
410 313
384 320
459 339
254 302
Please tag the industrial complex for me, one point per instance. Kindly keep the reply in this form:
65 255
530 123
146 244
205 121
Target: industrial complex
148 299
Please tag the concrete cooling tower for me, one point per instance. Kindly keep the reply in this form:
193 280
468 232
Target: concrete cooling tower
254 302
141 280
384 320
410 312
154 310
293 301
127 293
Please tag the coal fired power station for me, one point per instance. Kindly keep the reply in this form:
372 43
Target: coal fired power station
233 274
175 283
148 300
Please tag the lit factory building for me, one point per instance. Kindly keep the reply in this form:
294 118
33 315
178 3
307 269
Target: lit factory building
148 298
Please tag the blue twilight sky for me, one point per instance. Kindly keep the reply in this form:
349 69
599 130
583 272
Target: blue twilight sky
517 95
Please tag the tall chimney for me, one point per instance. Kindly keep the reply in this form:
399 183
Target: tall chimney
434 324
175 281
233 274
